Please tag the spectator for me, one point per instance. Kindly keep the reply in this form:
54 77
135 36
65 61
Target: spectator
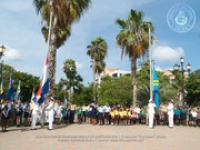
134 118
18 112
183 115
6 108
194 116
177 113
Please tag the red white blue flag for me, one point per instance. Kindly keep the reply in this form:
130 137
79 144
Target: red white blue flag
44 84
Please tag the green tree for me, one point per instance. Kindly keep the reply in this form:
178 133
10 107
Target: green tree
116 90
97 51
193 88
28 82
64 13
84 96
133 40
166 89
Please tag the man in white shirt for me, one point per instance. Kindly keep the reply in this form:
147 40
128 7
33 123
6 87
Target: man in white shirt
151 110
34 115
50 108
171 113
84 109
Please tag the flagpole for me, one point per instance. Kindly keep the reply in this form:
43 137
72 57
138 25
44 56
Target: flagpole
50 24
150 65
49 42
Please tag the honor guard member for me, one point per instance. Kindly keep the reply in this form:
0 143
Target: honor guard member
171 113
34 115
50 108
151 108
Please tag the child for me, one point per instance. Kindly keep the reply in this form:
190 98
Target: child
134 117
80 114
112 116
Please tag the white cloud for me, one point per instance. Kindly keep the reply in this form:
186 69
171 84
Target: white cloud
12 54
166 53
79 65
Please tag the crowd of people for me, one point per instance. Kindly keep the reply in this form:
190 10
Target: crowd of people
30 113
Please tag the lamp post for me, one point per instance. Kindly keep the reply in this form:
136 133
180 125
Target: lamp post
181 69
2 50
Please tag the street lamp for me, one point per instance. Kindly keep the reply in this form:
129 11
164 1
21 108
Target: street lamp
2 50
177 68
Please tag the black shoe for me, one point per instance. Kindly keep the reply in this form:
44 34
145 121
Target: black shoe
33 129
49 129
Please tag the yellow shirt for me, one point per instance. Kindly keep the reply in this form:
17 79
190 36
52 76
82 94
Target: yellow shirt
31 106
121 114
116 112
129 114
112 114
124 113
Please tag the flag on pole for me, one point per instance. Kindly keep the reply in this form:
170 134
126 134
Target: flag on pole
11 89
33 94
156 88
18 93
44 83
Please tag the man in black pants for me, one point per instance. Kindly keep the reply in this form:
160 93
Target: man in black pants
72 112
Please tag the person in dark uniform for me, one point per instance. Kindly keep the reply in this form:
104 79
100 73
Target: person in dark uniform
26 108
93 112
18 112
6 108
72 112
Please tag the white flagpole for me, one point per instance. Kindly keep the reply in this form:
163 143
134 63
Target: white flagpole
150 65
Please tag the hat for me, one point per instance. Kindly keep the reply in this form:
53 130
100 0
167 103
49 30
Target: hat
150 100
51 98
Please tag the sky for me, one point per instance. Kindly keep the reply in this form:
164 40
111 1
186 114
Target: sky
20 33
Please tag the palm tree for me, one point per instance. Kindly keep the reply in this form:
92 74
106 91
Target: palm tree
97 51
63 13
133 41
73 80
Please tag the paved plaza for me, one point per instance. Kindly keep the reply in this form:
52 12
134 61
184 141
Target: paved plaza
95 137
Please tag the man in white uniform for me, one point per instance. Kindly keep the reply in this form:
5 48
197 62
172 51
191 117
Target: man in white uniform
171 113
34 115
151 108
50 108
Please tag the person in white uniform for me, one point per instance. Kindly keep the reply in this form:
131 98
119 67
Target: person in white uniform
50 108
34 115
151 111
171 113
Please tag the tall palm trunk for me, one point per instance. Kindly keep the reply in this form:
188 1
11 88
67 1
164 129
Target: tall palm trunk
134 80
70 91
94 82
52 61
